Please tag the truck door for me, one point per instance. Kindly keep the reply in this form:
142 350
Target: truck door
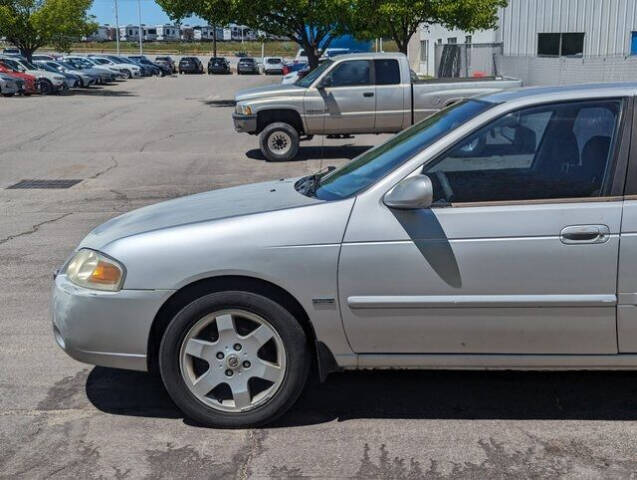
390 96
348 98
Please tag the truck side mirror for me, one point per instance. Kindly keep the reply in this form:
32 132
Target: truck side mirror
411 193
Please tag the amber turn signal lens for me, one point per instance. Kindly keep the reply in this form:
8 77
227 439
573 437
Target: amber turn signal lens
106 274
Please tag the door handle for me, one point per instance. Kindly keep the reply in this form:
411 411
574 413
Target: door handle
577 234
368 94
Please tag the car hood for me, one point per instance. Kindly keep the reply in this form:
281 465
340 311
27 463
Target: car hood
202 207
276 90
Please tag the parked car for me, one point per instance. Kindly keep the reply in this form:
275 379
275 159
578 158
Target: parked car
218 65
296 74
102 76
70 80
168 61
86 78
162 69
11 51
350 94
273 65
30 82
47 82
190 65
127 69
38 58
247 65
8 86
496 234
107 75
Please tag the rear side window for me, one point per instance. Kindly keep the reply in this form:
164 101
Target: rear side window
554 151
387 72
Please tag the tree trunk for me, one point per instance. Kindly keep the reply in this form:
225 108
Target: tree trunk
27 52
214 41
313 55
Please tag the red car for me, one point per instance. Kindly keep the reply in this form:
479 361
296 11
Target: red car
30 82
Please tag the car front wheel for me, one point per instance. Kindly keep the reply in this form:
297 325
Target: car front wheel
45 86
279 142
234 360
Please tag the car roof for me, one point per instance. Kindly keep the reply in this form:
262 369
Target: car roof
368 56
620 89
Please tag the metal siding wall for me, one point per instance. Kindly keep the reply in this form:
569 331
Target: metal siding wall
607 24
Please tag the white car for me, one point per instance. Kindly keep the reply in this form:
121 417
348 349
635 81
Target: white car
48 82
128 69
91 63
273 65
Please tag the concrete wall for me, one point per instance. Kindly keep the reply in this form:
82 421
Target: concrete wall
561 71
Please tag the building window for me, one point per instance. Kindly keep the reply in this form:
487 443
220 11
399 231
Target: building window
467 39
439 41
560 44
424 51
452 40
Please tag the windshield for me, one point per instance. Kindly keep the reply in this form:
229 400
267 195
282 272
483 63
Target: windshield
273 61
28 65
373 165
308 80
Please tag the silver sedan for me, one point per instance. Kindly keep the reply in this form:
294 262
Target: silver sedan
498 233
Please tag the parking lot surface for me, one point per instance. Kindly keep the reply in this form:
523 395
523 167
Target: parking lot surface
143 141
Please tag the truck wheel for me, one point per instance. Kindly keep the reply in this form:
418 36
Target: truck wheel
234 360
279 142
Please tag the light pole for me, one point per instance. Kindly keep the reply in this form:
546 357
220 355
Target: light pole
139 15
117 27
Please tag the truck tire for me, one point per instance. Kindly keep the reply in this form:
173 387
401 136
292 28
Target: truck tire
279 142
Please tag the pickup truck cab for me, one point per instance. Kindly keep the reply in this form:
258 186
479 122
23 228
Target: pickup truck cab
348 94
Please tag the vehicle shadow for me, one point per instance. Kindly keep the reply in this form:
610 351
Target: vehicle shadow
330 152
220 103
466 395
98 92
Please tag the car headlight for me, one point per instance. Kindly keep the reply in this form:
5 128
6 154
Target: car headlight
90 269
244 109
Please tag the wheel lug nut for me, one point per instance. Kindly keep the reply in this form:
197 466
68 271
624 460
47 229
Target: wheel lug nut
229 373
219 355
246 364
237 346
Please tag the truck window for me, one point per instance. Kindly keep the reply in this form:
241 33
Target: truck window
387 72
351 74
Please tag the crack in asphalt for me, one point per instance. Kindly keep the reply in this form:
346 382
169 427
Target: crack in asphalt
106 170
33 229
254 446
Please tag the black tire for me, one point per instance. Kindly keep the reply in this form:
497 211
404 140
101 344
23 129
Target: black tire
298 360
7 95
45 86
293 137
128 74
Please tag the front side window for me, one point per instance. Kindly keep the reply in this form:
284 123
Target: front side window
549 152
374 164
351 73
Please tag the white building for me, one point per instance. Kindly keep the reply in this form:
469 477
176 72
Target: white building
150 33
551 42
422 46
167 32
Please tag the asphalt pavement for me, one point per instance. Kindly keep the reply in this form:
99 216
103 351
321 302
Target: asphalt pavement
143 141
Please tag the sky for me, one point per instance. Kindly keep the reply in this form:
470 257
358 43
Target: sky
152 13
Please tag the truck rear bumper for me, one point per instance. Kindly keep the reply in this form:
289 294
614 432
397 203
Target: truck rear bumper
245 123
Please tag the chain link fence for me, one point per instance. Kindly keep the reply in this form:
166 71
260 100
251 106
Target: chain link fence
467 60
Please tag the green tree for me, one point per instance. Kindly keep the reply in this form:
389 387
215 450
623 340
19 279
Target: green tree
399 19
310 23
215 12
31 24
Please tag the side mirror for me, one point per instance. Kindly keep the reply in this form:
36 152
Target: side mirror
411 194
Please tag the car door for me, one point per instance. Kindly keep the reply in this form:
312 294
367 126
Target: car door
518 253
391 96
347 101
